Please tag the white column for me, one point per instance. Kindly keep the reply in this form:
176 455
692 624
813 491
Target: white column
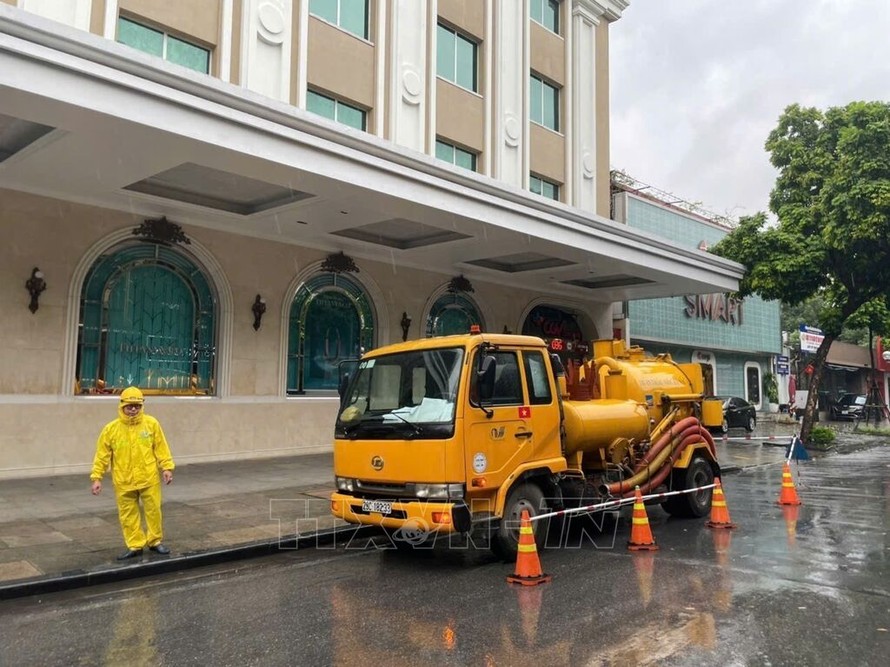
266 47
583 82
380 38
109 28
510 74
301 80
409 82
225 40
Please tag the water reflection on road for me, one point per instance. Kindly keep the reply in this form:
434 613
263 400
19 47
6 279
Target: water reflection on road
791 585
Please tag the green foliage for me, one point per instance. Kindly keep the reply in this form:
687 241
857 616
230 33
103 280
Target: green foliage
821 437
771 388
832 202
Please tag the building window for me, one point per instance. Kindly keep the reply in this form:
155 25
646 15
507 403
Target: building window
452 314
545 12
544 188
455 155
147 319
336 110
168 47
544 103
331 320
456 58
350 15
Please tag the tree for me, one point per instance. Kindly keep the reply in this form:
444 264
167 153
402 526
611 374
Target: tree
832 202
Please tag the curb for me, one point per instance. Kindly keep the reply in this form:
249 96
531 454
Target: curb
81 578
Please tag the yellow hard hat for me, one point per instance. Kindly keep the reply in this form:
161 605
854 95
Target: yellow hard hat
132 395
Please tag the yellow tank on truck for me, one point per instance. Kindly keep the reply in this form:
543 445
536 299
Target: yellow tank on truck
591 425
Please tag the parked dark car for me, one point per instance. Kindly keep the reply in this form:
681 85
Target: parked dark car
737 412
848 406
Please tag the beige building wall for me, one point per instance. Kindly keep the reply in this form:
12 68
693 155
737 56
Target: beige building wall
196 18
460 116
547 154
341 64
255 418
468 15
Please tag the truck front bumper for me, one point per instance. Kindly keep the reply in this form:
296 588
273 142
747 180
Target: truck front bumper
430 516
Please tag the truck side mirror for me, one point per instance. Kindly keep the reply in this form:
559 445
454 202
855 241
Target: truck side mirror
346 370
558 369
485 377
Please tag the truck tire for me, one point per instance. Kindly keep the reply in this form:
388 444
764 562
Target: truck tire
524 496
696 504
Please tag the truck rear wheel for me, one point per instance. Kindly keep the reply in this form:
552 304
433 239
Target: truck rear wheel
695 504
505 540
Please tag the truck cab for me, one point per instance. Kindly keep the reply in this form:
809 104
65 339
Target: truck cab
431 433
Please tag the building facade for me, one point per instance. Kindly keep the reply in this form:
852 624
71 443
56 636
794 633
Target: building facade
737 340
220 200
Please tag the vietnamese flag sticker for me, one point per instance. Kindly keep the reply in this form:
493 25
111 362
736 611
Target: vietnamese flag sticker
525 412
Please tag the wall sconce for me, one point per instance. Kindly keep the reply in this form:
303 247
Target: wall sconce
35 286
406 324
258 308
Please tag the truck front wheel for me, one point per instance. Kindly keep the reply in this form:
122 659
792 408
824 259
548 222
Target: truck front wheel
505 540
697 503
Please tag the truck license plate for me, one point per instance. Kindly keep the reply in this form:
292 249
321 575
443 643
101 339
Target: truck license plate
377 506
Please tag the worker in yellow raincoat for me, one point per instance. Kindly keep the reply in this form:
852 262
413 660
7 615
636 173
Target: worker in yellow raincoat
136 449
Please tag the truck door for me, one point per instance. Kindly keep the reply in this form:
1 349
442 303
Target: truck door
496 445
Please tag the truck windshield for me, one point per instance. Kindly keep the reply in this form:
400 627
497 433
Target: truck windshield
404 395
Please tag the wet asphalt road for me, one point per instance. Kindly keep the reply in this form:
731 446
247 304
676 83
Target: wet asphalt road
799 586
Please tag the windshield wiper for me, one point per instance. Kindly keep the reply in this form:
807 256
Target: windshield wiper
416 428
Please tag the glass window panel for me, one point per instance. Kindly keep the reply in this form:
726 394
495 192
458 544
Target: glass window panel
140 37
466 63
325 9
445 151
351 116
550 15
445 53
551 107
537 378
536 10
551 190
464 159
323 106
188 55
354 17
147 319
332 335
534 184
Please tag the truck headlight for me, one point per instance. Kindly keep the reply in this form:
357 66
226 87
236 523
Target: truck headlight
439 491
345 484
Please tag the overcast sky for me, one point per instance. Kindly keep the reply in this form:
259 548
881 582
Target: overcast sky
697 85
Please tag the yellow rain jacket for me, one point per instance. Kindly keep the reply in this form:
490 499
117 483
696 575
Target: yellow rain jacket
136 449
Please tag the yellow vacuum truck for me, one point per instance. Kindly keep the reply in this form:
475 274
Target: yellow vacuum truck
456 433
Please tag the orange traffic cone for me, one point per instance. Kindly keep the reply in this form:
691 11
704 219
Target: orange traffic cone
719 510
528 566
640 533
788 495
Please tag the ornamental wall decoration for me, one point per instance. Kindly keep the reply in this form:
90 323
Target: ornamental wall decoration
161 231
339 263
